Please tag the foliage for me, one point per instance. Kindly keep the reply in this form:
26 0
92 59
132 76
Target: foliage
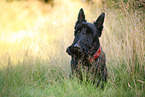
34 39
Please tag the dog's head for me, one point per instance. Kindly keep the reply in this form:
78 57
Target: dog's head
87 35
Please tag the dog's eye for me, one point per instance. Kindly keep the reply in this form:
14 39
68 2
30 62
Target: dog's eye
78 31
89 32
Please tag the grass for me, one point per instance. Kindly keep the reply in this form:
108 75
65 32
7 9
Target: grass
33 40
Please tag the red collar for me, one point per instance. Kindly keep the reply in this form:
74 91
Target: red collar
96 55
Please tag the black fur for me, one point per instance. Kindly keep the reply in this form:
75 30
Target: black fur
84 46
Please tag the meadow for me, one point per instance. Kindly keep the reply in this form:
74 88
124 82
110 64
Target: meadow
34 36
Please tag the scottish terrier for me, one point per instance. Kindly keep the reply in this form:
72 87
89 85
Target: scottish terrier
86 52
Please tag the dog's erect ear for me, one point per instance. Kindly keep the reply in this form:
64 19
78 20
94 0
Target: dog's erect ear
99 23
81 16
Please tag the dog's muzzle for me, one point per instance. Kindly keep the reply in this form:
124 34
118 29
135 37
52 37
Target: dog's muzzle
68 50
74 49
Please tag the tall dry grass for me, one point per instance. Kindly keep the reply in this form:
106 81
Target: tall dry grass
34 37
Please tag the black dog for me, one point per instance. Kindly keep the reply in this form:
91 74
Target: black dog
86 51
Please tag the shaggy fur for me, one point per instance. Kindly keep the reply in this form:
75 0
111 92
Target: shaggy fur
84 46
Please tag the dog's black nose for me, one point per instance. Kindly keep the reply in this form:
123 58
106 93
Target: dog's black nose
77 46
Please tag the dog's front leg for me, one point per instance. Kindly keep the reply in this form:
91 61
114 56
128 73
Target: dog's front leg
104 76
73 65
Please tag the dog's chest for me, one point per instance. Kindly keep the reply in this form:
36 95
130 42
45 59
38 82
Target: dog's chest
96 64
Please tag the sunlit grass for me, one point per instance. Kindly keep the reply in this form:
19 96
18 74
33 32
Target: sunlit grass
34 38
